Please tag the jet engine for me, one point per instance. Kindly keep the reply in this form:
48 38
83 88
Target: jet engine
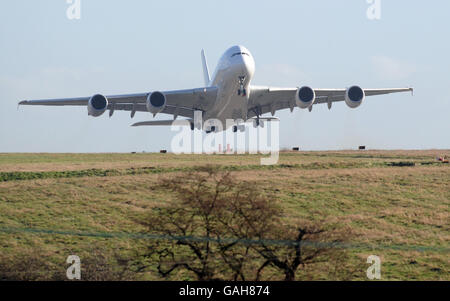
305 97
97 105
354 96
156 102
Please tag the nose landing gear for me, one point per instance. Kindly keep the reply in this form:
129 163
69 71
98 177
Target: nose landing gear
241 91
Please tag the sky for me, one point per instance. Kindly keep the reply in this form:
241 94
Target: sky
135 46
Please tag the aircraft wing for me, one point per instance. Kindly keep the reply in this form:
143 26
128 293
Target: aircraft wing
271 99
179 102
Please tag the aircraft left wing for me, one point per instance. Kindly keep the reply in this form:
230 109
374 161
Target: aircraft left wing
271 99
178 102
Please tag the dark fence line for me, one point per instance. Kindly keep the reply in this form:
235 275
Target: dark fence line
94 172
226 240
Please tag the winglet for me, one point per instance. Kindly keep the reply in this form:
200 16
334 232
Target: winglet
412 91
21 103
205 69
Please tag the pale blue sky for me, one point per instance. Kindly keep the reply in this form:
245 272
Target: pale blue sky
137 46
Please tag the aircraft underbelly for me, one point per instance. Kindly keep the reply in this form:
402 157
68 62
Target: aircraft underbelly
229 104
234 106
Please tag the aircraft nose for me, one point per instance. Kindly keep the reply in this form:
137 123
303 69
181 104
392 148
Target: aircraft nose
248 64
243 63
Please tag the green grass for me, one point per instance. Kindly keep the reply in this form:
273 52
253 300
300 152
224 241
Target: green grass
393 210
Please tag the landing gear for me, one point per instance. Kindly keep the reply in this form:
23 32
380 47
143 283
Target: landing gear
257 122
212 129
240 127
241 91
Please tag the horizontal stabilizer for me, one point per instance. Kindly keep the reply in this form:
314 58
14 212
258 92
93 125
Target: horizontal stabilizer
157 122
264 119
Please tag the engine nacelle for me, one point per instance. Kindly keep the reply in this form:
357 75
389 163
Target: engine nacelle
354 96
156 102
97 105
305 97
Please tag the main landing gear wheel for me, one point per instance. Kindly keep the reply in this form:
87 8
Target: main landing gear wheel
257 122
240 127
212 129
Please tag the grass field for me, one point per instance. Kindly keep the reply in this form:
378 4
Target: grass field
55 205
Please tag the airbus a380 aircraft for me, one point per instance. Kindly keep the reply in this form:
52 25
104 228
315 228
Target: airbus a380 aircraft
226 95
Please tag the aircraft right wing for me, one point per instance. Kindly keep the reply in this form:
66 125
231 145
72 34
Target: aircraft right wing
271 99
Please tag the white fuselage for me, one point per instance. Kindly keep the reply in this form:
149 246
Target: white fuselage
237 62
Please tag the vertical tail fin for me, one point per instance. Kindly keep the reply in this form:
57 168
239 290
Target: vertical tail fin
205 69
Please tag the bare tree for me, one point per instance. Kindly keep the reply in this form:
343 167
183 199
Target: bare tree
219 228
200 196
304 245
283 246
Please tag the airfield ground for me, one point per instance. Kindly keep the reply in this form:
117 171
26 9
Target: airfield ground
401 214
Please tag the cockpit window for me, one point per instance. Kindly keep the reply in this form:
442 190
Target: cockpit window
240 53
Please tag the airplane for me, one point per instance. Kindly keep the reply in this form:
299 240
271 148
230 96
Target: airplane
227 94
